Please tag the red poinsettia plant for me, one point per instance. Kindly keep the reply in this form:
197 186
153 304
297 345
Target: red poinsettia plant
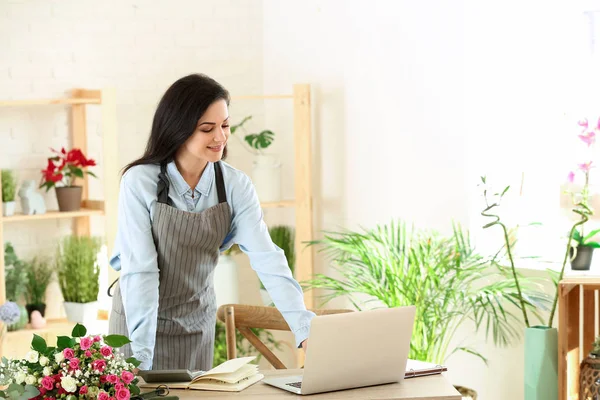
65 167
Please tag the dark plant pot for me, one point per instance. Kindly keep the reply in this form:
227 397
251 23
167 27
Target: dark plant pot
583 258
69 198
35 307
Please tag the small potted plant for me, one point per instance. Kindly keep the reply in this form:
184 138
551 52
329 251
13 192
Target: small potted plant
582 250
283 237
78 273
590 373
39 276
266 170
61 172
9 187
15 277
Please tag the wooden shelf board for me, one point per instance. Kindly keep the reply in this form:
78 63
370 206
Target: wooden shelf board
84 212
42 102
278 204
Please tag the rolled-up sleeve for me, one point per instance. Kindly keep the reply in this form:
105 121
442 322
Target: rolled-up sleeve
251 234
139 278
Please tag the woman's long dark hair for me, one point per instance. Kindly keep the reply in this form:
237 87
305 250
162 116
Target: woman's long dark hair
177 116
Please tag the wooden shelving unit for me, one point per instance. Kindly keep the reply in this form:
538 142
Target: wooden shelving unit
76 104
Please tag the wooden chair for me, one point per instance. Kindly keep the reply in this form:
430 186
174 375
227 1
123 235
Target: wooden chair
243 317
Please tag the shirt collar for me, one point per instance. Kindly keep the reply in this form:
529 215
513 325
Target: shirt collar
181 186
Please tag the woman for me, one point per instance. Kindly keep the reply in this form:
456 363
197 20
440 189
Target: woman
179 206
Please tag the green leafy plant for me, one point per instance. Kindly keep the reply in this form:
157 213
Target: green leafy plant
443 276
39 275
14 274
578 240
9 185
256 142
77 269
596 347
243 347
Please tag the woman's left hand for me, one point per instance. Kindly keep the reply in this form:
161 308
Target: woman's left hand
305 344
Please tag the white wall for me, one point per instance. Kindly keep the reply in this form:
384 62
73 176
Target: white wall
414 101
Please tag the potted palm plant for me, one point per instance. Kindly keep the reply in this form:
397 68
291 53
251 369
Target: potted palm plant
9 187
78 273
443 276
283 237
39 276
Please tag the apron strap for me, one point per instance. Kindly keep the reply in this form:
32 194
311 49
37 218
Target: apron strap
220 183
162 188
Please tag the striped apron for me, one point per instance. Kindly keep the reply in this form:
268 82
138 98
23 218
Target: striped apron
187 244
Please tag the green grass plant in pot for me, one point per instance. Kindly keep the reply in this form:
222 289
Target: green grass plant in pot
78 277
9 189
443 276
39 275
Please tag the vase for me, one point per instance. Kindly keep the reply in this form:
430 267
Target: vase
583 258
589 378
541 363
83 313
8 208
266 177
69 198
35 307
226 281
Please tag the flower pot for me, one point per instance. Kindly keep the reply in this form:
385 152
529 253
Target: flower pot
226 281
83 313
8 208
69 198
589 377
541 363
266 177
583 258
35 307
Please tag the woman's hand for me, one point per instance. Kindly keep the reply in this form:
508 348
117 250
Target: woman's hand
305 345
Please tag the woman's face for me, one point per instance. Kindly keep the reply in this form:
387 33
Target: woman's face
211 134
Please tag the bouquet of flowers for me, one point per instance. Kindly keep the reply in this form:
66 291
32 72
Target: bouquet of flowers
65 167
79 367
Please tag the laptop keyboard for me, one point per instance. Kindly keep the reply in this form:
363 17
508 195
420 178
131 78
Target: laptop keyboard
295 384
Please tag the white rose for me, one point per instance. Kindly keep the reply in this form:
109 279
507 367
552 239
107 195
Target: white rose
78 373
69 384
47 371
32 356
30 380
20 377
58 357
44 361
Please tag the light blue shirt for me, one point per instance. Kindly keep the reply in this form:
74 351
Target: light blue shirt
136 257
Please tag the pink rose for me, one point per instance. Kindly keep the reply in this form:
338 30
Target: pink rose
112 398
112 379
122 394
102 378
99 365
83 390
48 383
127 377
88 353
97 339
68 353
74 363
86 343
119 386
103 396
106 351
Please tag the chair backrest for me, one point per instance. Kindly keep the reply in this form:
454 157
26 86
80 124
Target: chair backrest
243 317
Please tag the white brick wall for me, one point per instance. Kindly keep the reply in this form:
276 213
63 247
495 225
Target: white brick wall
138 47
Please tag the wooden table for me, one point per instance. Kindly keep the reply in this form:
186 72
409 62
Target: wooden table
434 387
574 318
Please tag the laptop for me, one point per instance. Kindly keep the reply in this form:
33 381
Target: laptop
352 350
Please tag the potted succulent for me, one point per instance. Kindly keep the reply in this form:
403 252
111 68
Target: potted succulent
61 172
39 276
78 274
9 187
283 237
15 277
266 170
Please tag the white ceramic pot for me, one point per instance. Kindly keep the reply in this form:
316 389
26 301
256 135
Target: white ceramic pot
266 177
226 281
8 208
83 313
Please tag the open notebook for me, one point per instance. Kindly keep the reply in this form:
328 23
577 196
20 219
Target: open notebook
416 368
231 376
